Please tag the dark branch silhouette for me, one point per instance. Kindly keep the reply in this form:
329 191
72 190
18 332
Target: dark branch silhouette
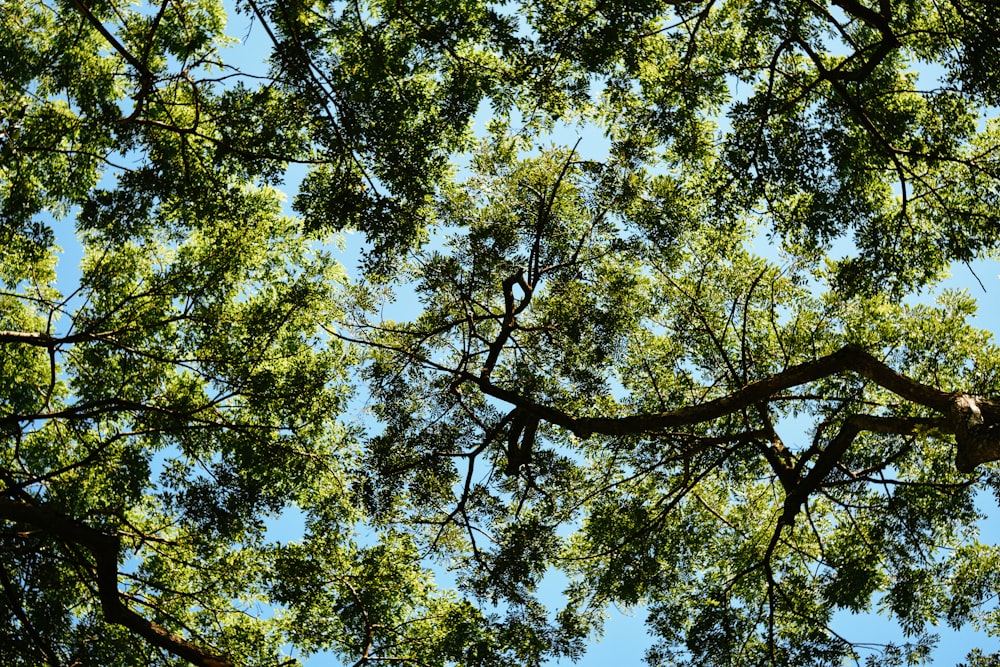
105 550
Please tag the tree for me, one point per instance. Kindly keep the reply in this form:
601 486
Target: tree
593 371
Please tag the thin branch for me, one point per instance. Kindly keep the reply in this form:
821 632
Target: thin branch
144 72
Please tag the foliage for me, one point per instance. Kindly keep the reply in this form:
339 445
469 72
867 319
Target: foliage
571 353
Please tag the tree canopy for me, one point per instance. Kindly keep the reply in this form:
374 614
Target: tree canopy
648 298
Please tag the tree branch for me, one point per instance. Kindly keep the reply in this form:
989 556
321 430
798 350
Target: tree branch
144 72
834 452
105 550
975 421
977 431
509 322
41 339
850 358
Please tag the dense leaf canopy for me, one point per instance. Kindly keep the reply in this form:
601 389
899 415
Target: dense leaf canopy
647 299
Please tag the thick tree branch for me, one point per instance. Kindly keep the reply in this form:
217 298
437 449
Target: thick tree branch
105 550
977 431
973 420
877 20
41 339
850 358
509 322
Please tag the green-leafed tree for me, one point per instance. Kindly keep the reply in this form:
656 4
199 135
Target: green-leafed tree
649 299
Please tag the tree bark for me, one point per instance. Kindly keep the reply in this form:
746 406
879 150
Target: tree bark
977 431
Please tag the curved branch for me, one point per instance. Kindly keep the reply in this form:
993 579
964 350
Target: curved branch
105 550
509 322
975 421
850 358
